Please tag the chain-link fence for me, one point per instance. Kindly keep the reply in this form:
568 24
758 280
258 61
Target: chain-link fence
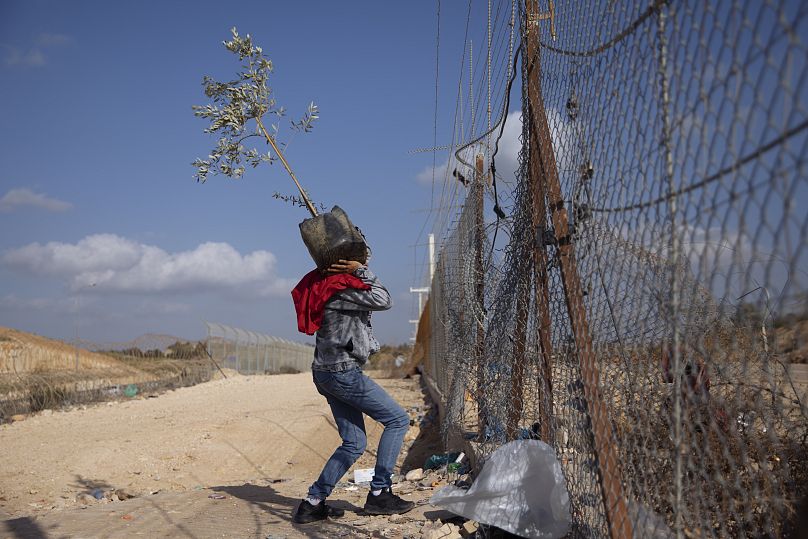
642 302
254 353
38 373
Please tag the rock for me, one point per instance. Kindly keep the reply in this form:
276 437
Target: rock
428 526
412 434
415 475
447 531
86 499
469 528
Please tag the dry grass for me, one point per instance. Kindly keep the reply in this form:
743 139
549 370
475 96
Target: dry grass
25 352
37 373
744 452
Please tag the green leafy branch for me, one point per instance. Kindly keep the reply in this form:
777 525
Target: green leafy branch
235 104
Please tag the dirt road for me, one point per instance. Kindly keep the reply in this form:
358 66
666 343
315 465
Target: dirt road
227 458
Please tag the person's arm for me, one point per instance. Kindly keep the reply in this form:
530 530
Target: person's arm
377 298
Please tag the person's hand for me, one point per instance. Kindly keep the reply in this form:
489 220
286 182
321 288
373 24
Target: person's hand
345 266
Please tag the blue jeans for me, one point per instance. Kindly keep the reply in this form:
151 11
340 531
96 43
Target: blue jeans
350 394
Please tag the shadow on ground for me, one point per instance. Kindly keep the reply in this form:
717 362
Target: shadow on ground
23 528
271 510
429 441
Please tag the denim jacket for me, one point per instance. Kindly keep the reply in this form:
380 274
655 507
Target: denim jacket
345 338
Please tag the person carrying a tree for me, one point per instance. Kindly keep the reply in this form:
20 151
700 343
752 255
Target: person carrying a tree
337 305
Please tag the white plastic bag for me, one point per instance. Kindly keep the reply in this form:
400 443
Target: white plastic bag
520 489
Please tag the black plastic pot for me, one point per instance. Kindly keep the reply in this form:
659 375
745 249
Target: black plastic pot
331 237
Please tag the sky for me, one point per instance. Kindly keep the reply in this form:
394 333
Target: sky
104 233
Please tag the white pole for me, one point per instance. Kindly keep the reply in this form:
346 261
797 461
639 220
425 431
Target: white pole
431 258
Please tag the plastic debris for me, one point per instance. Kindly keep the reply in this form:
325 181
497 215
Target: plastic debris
436 461
520 489
130 390
363 475
217 496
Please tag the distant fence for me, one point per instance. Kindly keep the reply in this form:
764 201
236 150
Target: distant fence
254 353
38 373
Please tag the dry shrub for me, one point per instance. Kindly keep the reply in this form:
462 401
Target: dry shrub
286 369
43 395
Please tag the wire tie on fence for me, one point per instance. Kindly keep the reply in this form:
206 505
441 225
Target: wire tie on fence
459 176
587 170
582 212
572 106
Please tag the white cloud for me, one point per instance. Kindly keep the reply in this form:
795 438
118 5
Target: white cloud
46 39
425 176
14 302
110 262
34 56
443 170
17 198
29 58
151 306
724 261
510 145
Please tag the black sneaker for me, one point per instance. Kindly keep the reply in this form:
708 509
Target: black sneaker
307 512
386 503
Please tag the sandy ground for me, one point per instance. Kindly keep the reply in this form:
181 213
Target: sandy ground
227 458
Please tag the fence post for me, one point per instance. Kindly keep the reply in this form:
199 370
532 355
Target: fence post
541 292
609 468
518 359
479 275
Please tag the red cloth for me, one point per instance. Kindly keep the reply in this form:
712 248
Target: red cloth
313 291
